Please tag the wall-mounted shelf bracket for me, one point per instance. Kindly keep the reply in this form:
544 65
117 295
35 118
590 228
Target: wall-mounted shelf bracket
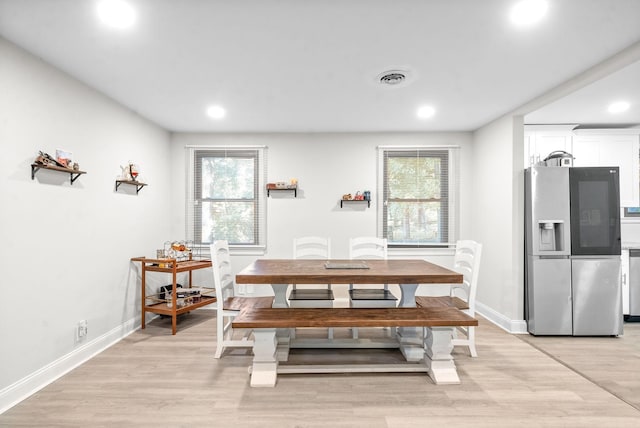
73 173
138 185
294 189
355 200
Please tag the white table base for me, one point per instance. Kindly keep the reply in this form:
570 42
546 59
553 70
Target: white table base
411 340
280 295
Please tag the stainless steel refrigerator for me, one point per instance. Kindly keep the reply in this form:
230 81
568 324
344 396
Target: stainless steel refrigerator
572 267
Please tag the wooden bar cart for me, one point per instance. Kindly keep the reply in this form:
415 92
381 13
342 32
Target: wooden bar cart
169 307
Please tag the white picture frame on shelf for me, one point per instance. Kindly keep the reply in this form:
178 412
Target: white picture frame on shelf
64 157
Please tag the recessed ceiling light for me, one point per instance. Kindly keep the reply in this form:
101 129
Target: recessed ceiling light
618 107
426 112
528 12
116 13
216 112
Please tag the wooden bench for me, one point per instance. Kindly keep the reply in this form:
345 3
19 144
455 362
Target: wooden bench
441 302
243 304
438 323
352 317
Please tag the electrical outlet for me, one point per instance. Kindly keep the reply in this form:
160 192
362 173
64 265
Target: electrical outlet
81 330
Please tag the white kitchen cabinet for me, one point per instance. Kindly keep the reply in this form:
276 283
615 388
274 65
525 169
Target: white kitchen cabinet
612 147
540 140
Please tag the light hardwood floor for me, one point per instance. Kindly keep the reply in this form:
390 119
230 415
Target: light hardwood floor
157 380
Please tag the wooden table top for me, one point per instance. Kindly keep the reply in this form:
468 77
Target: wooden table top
290 271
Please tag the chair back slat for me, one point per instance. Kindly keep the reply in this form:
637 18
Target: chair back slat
312 247
467 262
368 247
223 279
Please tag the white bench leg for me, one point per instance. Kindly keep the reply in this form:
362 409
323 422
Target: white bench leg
438 347
264 371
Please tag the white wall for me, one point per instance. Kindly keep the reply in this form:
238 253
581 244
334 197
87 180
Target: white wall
65 249
498 219
326 166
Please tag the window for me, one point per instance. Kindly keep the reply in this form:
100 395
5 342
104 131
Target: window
227 196
419 190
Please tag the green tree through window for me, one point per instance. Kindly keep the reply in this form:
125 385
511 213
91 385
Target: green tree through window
416 197
226 196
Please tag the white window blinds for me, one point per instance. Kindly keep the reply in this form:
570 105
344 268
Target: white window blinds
226 195
419 191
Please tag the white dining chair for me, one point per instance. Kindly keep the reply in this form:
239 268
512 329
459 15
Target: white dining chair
369 296
228 305
467 262
316 295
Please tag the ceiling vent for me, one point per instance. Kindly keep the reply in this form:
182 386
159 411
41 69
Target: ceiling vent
394 78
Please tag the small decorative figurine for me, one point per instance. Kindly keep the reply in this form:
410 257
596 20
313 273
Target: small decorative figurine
133 170
130 171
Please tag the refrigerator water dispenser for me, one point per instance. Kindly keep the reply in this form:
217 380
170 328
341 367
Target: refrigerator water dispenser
551 233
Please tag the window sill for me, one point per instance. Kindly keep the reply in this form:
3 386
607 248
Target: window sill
420 252
243 250
239 250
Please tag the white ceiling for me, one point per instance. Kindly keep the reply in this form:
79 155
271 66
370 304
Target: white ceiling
588 106
311 66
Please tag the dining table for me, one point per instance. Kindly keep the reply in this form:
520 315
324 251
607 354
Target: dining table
408 274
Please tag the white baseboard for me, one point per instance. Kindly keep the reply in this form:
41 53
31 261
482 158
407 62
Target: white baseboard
22 389
507 324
